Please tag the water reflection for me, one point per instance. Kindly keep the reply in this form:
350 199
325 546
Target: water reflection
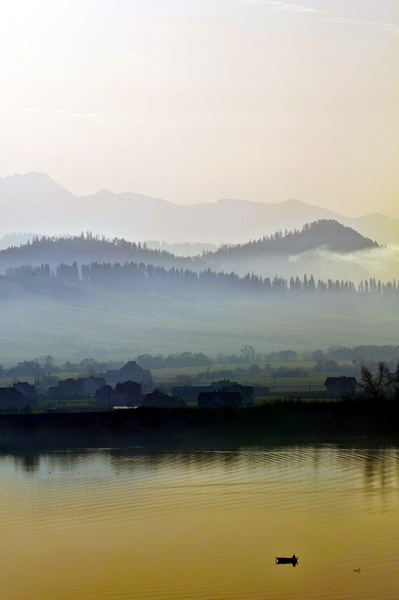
29 462
195 523
378 464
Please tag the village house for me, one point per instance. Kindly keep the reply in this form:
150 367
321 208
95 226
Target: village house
220 400
131 371
71 389
340 387
128 393
190 393
27 389
158 399
246 391
11 399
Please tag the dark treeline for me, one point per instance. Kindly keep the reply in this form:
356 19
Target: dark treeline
30 368
136 276
169 427
45 365
360 354
198 359
327 233
180 359
336 359
250 372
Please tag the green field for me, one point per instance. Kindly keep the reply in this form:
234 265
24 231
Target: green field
118 326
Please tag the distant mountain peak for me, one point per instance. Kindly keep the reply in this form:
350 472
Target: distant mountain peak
102 193
32 177
32 185
36 174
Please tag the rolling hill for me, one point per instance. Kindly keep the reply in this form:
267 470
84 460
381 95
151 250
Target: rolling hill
328 235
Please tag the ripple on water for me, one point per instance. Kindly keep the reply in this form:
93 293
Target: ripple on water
202 525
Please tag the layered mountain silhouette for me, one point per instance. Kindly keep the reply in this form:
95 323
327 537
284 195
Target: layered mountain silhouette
85 295
328 235
35 202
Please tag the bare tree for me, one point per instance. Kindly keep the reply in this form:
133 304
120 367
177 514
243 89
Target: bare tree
375 386
248 353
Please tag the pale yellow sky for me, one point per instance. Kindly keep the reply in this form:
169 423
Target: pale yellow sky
195 100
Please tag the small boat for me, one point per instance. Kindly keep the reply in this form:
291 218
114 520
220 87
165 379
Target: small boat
282 560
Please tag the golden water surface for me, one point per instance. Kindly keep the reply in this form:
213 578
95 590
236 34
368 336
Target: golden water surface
201 525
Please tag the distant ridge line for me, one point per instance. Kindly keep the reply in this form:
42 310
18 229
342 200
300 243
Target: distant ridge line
35 202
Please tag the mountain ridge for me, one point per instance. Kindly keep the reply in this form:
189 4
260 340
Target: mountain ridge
36 202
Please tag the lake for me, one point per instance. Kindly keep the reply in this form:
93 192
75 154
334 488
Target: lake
202 524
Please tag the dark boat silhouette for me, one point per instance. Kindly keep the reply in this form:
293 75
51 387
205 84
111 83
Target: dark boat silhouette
282 560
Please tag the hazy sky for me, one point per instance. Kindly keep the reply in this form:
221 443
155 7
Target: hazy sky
195 100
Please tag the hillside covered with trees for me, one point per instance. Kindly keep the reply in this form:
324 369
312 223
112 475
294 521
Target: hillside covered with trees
87 248
325 233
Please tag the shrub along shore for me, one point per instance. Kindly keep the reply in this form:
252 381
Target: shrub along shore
285 418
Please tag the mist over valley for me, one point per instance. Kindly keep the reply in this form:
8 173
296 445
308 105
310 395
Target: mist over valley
111 309
266 275
326 249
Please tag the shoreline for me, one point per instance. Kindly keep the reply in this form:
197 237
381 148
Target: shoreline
260 424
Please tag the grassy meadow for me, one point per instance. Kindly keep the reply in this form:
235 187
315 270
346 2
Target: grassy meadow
116 326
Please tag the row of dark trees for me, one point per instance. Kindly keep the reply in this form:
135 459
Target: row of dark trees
44 365
135 276
336 359
30 368
180 359
367 353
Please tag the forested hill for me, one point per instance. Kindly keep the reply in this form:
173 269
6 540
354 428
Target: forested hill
327 234
83 249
